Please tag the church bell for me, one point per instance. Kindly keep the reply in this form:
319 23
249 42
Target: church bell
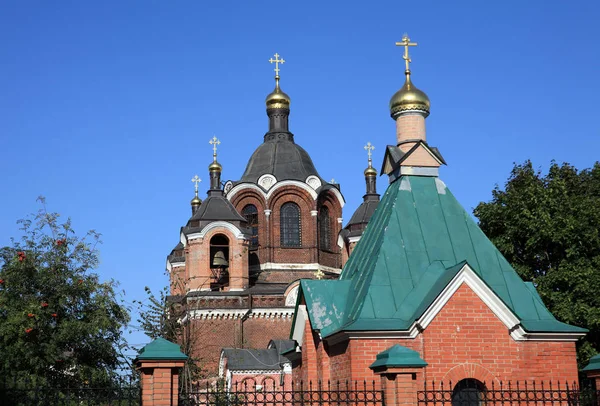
219 260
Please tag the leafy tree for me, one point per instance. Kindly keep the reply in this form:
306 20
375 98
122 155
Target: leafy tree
548 228
59 324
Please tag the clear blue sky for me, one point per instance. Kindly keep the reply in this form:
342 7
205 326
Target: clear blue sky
106 107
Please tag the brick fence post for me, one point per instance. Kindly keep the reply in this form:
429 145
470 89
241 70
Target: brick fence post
159 364
399 368
592 370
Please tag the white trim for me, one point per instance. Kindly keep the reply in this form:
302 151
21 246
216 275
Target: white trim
340 220
354 239
419 171
170 265
267 181
337 194
268 266
273 312
284 183
211 226
243 186
313 181
467 276
256 372
267 212
314 213
301 318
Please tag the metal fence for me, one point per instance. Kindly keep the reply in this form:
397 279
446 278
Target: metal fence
269 393
470 392
123 391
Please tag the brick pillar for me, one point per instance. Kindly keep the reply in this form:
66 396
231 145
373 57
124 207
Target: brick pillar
592 370
399 368
159 364
160 382
400 386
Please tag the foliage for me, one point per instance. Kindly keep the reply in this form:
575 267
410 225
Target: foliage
59 324
548 228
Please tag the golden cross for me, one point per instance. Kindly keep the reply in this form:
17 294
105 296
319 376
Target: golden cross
406 43
319 274
214 142
369 148
196 180
277 61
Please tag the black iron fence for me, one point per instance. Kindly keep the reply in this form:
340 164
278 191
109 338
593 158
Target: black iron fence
122 391
270 393
470 392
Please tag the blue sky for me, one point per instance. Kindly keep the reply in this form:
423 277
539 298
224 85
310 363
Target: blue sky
106 108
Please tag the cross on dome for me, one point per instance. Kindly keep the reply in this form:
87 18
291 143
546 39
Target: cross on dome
406 43
214 142
196 180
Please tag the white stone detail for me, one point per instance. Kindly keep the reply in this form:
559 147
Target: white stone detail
267 266
290 299
440 186
340 220
228 186
314 213
313 181
267 213
230 227
267 181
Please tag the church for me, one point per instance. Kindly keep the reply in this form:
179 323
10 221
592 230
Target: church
276 285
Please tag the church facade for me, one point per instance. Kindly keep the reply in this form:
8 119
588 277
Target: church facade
242 253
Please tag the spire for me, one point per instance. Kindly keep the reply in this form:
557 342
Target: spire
215 168
370 175
278 107
196 202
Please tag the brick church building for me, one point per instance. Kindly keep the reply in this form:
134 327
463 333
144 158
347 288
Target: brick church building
245 248
277 288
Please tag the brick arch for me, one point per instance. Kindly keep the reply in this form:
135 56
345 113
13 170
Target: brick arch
333 256
288 194
250 196
469 370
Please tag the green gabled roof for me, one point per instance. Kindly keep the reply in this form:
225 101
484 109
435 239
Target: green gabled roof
398 356
418 239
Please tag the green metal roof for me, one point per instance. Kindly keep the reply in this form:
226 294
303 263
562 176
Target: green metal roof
161 349
594 364
418 239
398 356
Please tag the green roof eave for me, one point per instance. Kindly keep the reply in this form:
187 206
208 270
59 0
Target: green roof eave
398 356
161 349
550 326
593 365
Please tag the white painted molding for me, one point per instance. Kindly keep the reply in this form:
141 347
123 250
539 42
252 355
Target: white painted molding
268 266
267 181
285 183
267 212
337 194
314 213
419 171
257 313
242 186
301 318
467 276
314 182
340 220
211 226
228 186
354 239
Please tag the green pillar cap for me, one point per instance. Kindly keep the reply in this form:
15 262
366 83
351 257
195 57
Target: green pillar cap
161 349
398 356
594 364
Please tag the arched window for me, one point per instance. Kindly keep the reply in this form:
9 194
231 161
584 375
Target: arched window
219 262
324 229
468 392
250 213
289 227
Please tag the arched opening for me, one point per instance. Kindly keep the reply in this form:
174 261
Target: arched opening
219 262
468 392
250 213
290 227
324 229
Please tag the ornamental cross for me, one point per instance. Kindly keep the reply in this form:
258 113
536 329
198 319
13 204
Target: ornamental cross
196 180
214 142
319 274
277 61
369 149
406 43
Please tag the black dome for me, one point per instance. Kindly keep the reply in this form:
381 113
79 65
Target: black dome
281 158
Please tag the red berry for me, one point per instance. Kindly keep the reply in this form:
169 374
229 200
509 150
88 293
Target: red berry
54 315
28 330
30 315
44 304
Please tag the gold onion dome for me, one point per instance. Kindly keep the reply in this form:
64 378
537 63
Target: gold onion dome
370 171
196 201
215 167
409 98
278 99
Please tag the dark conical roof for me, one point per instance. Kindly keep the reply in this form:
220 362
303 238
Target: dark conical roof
281 158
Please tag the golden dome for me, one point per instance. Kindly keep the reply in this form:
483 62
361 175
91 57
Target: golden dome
370 171
215 167
196 201
278 99
409 98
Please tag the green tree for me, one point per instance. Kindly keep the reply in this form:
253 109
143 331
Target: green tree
548 227
59 324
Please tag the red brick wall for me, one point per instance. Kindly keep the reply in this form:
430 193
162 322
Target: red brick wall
258 331
465 340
